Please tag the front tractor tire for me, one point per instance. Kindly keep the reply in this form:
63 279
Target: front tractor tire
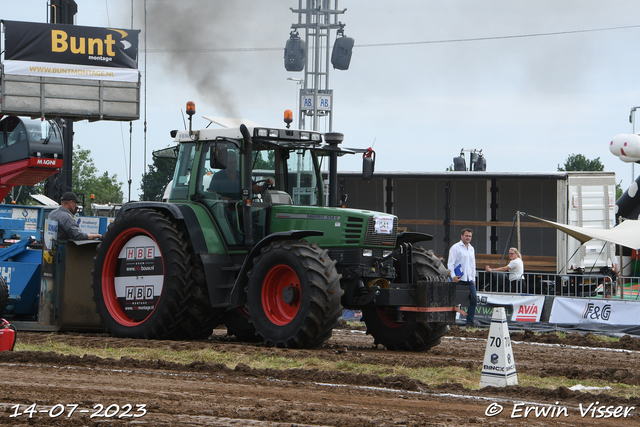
407 332
293 295
147 283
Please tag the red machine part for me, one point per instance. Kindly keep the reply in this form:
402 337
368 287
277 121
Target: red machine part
7 336
28 171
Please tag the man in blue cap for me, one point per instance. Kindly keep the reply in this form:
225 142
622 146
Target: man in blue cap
68 228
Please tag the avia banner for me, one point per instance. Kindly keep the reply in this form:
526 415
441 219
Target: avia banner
518 308
606 311
70 51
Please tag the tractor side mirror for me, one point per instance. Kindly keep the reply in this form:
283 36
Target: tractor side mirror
368 164
218 156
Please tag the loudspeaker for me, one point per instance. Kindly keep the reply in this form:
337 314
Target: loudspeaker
341 55
480 165
459 163
295 54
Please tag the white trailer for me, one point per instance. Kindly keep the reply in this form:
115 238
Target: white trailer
586 199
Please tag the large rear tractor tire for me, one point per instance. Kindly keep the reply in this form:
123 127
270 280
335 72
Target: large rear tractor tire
147 283
407 332
4 296
293 295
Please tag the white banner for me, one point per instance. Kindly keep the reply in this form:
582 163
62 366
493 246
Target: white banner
47 69
581 310
90 225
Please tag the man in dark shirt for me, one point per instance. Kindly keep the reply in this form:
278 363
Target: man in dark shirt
68 228
226 182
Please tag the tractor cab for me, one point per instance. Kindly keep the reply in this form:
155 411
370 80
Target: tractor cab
283 166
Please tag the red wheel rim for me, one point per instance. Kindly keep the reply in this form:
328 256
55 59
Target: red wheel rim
281 295
109 269
389 320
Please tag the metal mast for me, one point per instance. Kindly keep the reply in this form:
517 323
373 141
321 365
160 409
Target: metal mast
62 12
317 18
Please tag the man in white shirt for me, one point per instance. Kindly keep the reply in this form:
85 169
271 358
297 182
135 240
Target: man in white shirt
462 264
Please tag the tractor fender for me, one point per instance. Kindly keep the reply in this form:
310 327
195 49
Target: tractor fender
238 296
181 212
412 237
173 209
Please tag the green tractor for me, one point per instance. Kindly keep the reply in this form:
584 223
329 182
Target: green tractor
249 239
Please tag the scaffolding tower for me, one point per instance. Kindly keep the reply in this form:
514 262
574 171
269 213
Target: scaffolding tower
317 18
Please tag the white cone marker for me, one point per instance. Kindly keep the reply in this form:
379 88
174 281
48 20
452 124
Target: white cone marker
499 366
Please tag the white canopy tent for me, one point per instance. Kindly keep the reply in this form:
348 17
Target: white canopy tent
626 234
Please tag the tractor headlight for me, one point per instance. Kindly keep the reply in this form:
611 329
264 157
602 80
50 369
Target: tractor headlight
367 252
273 133
304 135
386 253
263 132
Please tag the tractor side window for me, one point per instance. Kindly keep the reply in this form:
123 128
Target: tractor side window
182 174
227 182
221 193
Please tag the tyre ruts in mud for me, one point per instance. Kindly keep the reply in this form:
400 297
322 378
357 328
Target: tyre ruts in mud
4 296
294 294
147 283
408 333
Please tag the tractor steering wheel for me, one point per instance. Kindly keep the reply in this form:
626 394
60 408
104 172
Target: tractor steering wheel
265 180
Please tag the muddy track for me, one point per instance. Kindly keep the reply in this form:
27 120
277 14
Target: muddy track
213 394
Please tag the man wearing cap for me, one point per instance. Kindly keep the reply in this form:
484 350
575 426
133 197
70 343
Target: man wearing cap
68 228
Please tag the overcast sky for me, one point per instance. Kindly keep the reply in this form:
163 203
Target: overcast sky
427 78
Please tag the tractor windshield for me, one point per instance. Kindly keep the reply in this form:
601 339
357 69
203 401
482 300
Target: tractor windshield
293 172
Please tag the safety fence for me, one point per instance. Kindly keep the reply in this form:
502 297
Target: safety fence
562 285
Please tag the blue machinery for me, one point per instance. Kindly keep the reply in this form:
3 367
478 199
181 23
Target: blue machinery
70 305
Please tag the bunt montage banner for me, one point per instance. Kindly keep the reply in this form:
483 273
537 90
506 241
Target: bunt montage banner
70 51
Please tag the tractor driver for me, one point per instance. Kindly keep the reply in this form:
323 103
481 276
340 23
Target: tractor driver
68 228
226 182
